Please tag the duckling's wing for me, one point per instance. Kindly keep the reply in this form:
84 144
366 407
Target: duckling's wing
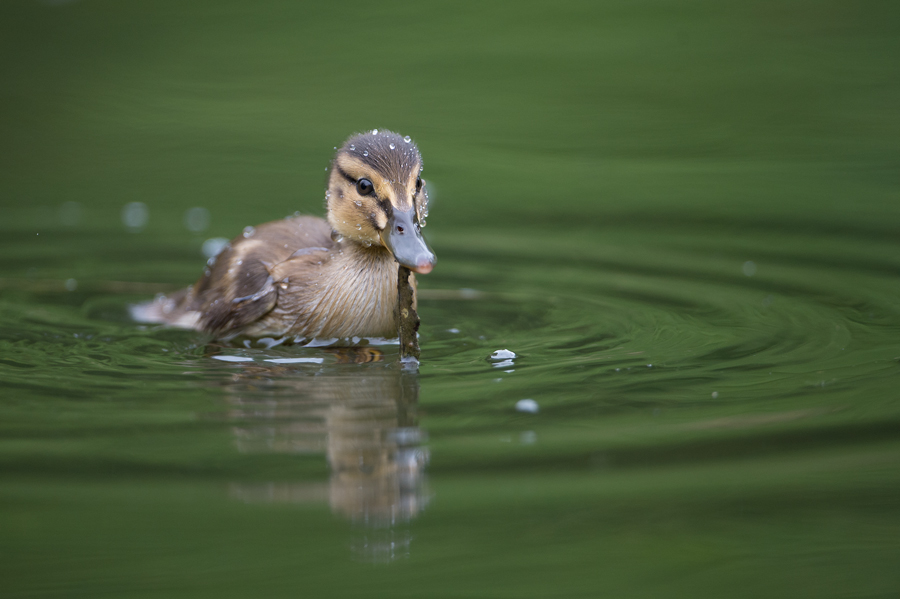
238 288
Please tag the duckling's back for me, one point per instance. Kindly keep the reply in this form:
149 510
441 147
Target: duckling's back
237 288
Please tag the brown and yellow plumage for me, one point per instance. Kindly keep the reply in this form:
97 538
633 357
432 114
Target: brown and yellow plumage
308 278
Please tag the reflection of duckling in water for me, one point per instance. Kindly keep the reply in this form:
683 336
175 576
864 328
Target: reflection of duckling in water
305 277
365 422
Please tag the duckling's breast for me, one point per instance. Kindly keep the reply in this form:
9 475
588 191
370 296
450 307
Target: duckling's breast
349 292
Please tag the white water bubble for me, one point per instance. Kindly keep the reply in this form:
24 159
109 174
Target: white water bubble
374 131
135 215
392 146
296 360
196 219
527 405
407 139
749 268
214 245
365 152
503 354
249 232
232 358
453 330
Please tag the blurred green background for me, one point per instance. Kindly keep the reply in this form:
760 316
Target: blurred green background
684 217
526 113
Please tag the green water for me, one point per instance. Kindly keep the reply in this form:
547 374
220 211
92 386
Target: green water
682 217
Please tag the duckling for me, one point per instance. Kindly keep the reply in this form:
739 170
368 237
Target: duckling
305 277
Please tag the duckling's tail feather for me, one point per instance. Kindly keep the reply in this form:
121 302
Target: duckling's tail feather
166 309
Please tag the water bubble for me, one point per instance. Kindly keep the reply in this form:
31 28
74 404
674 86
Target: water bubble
357 202
453 330
749 268
407 139
135 215
374 131
71 284
352 147
715 394
391 146
232 358
249 232
503 354
527 405
365 152
358 227
295 360
214 245
70 214
196 219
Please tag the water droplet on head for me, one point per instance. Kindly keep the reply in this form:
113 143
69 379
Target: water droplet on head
374 131
249 231
357 202
392 146
365 153
407 139
352 147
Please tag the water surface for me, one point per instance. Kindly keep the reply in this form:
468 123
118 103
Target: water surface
681 219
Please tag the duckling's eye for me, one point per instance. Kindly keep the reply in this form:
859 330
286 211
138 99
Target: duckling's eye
364 187
418 184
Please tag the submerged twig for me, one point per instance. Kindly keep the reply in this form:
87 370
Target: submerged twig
409 318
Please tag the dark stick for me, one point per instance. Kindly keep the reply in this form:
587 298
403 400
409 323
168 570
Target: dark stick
409 318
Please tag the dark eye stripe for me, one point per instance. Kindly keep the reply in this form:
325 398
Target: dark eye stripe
386 207
344 174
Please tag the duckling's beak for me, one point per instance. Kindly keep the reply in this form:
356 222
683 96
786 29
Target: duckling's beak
403 238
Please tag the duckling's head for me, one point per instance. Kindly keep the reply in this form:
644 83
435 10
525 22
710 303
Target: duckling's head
376 196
